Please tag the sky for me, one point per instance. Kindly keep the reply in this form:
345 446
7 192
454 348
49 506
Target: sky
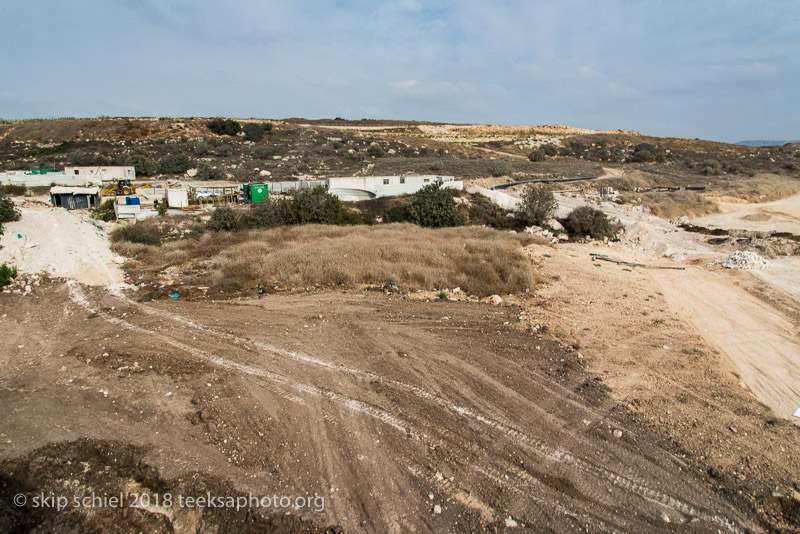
724 70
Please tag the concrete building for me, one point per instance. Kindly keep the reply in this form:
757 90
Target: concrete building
353 188
70 176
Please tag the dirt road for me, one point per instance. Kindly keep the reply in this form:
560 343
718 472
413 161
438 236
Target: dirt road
404 415
762 343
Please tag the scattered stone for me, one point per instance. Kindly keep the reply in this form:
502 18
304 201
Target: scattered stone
510 523
617 433
437 509
742 259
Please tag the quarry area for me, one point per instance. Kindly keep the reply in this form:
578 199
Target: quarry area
233 365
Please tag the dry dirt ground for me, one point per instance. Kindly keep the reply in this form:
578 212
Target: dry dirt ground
593 405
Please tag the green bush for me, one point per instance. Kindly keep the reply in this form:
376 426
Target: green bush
253 131
162 209
500 167
397 214
101 161
306 206
537 155
589 221
549 150
7 274
8 212
224 126
136 233
537 205
174 164
376 151
105 211
646 152
207 172
16 190
223 219
435 207
142 162
263 152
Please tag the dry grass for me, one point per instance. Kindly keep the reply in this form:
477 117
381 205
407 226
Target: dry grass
673 205
481 261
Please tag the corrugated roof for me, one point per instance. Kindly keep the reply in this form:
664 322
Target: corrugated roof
58 190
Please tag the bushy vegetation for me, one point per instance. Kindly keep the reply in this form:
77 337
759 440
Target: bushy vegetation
263 152
8 212
105 211
224 126
549 150
434 207
646 152
207 172
136 233
174 164
7 274
254 131
16 190
223 219
500 167
537 155
590 221
376 151
305 206
537 206
141 160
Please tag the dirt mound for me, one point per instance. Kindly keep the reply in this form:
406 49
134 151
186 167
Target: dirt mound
60 243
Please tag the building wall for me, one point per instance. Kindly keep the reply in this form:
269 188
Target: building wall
70 176
352 188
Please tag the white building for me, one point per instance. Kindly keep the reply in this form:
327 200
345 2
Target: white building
353 188
70 176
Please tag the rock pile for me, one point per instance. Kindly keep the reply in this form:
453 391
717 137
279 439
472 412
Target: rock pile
22 284
743 259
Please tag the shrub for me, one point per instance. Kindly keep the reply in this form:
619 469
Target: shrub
434 207
224 126
8 212
136 234
646 152
376 151
142 162
253 131
203 148
500 167
537 155
592 222
105 211
223 219
549 150
207 172
7 274
162 209
315 205
263 152
397 214
174 164
16 190
100 160
537 206
267 126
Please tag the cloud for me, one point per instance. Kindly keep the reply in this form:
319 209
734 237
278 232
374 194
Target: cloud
678 68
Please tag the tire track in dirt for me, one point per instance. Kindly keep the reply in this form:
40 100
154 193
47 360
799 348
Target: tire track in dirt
626 483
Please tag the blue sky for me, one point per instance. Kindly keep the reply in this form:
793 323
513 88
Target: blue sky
724 70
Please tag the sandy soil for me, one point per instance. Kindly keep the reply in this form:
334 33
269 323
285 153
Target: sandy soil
61 243
779 216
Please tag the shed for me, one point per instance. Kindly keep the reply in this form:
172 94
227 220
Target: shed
177 198
75 198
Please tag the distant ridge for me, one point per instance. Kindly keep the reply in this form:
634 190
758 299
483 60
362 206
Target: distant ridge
759 143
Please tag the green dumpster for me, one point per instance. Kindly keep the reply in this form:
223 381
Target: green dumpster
257 192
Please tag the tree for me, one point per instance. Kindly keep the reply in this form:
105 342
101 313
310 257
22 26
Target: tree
537 206
8 212
142 162
434 207
592 222
174 164
224 126
253 131
223 219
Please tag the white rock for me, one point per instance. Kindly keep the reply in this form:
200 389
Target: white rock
191 173
510 523
437 509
